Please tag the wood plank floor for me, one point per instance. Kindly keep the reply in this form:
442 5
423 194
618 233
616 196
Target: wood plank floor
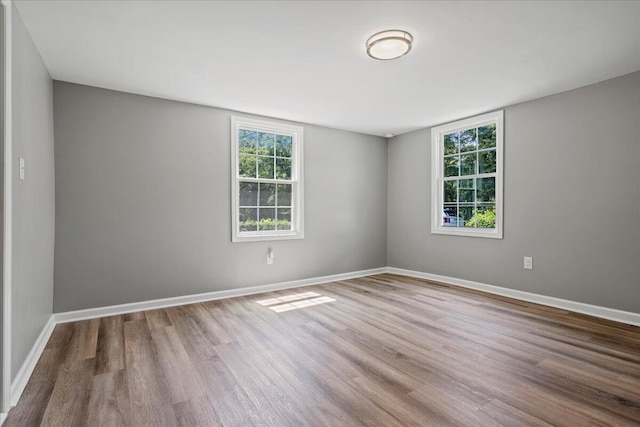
383 350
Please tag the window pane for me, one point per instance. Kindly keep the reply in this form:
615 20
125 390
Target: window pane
487 161
450 191
466 183
487 136
266 144
265 167
283 168
283 146
486 189
248 219
284 219
450 216
267 194
284 195
451 166
450 144
468 164
248 194
247 166
248 141
486 217
267 219
468 196
466 216
468 141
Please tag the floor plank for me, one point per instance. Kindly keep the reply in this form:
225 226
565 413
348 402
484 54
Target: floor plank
149 398
109 400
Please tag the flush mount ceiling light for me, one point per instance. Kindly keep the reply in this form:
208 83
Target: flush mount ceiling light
389 44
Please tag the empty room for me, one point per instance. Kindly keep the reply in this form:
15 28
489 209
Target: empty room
320 213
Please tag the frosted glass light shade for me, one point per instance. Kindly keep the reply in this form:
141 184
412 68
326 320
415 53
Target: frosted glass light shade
390 44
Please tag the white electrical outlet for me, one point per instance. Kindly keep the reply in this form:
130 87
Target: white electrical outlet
21 168
270 256
528 263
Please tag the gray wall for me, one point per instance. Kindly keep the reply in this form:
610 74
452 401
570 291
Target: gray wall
143 202
572 201
33 198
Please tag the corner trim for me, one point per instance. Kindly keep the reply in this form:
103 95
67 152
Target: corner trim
5 394
92 313
578 307
23 375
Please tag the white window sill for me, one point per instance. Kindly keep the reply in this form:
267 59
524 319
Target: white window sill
265 237
467 232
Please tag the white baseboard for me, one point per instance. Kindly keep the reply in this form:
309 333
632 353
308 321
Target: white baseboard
22 377
3 416
92 313
20 382
592 310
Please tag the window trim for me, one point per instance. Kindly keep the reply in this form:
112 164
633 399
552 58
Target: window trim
437 175
297 190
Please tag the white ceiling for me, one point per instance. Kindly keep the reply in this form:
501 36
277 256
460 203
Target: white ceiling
306 61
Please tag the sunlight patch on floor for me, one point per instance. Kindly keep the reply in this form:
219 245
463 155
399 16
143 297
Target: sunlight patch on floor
300 304
287 298
295 301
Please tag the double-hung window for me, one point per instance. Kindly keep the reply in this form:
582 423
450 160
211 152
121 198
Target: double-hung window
466 177
267 192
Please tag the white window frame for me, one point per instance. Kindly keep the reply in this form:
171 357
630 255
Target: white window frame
437 175
297 190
